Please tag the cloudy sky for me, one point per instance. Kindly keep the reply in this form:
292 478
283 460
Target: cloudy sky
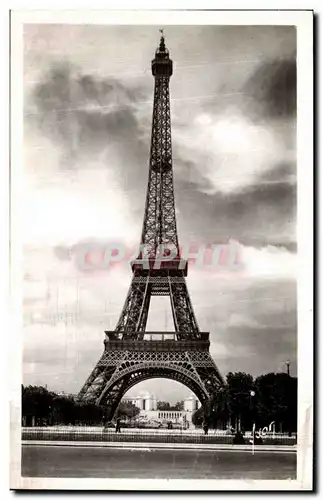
87 120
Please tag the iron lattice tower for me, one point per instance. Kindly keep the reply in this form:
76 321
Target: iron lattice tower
131 354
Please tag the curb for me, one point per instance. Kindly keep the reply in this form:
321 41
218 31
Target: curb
164 446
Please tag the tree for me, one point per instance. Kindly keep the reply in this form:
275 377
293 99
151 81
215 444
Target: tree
277 400
179 406
198 417
41 406
36 404
239 388
127 410
220 408
89 413
163 405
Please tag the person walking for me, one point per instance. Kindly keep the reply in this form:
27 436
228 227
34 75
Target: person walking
205 427
238 438
118 425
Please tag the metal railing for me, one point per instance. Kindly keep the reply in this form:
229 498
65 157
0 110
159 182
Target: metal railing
99 434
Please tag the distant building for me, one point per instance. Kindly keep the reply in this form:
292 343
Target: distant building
191 404
147 403
66 395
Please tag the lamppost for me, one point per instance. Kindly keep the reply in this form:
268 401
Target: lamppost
251 396
287 363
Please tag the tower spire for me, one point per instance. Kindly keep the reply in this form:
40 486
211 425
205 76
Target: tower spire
162 47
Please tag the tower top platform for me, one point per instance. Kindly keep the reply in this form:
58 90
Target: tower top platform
162 65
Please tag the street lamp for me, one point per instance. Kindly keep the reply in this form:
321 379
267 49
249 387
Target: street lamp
252 395
50 415
287 363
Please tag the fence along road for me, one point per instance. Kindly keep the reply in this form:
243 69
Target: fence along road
98 434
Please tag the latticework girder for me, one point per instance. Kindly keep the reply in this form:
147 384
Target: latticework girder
159 227
125 368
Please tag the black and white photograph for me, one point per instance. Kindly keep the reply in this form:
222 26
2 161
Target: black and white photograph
161 250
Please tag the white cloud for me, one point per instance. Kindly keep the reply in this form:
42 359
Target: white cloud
85 204
230 151
269 261
66 206
244 265
241 320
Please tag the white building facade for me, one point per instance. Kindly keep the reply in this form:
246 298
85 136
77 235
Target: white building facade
147 403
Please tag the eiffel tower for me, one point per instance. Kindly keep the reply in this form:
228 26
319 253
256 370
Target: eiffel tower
132 354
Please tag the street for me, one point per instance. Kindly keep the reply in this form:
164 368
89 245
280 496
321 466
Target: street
150 463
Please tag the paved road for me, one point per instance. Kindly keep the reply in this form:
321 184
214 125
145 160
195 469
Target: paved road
95 462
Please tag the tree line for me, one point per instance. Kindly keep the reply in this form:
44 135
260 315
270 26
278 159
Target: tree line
43 407
165 406
243 401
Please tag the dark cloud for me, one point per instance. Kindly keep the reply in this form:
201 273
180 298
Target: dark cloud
285 172
253 216
273 87
88 117
263 213
261 353
83 112
262 316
